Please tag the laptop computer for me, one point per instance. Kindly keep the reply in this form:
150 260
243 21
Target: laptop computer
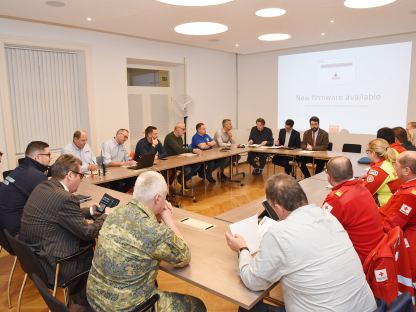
144 161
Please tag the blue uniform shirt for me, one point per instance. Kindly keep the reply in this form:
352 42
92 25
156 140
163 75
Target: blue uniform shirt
198 139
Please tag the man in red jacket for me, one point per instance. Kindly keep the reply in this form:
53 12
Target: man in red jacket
400 209
354 207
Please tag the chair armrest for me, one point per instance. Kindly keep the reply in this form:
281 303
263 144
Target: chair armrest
74 278
75 255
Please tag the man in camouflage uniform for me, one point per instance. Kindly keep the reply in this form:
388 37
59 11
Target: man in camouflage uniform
130 247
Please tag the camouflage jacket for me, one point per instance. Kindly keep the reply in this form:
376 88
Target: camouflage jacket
130 247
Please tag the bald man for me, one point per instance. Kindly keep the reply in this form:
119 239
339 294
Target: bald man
174 146
354 207
400 209
81 149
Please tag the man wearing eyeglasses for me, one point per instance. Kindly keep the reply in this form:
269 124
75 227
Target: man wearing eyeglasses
19 184
114 154
56 227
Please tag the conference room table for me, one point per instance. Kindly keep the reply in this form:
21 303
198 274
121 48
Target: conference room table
170 162
213 267
315 190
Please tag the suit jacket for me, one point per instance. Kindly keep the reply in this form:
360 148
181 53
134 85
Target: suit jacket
294 140
54 225
321 143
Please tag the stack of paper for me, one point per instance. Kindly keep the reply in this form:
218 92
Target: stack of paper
252 231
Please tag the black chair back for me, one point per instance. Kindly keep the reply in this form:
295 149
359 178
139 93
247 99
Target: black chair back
351 148
53 304
329 146
20 160
5 243
403 303
6 173
28 260
150 303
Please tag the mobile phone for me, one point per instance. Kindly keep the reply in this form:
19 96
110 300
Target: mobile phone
107 201
270 211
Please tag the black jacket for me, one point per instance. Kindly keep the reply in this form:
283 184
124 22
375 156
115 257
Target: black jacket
294 140
15 191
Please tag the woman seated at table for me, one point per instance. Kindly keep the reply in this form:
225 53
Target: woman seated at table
381 179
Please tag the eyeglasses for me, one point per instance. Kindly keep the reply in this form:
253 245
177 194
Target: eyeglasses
81 175
45 154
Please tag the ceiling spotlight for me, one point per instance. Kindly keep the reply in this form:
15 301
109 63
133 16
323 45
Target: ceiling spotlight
332 21
270 12
56 4
200 28
89 19
323 34
366 4
237 45
273 37
194 2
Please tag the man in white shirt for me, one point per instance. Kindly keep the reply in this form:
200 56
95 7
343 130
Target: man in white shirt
309 252
81 149
224 138
114 152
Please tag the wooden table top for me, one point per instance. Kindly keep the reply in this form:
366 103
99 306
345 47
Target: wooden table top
214 266
315 190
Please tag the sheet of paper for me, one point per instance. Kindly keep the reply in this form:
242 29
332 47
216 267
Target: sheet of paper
187 155
197 223
248 228
264 225
253 145
274 146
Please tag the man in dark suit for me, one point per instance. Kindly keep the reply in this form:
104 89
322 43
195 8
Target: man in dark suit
55 226
288 137
18 185
314 139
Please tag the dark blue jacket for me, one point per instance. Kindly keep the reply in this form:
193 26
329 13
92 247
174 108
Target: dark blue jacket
143 147
15 191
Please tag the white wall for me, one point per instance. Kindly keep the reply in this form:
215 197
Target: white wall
211 77
257 88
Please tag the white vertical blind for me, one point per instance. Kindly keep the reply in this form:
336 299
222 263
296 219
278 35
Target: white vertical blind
45 95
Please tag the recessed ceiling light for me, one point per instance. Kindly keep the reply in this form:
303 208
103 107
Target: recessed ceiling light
270 12
56 4
273 37
194 2
322 34
200 28
332 21
366 4
89 19
237 45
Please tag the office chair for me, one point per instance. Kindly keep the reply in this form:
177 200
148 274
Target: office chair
31 265
329 146
403 303
53 304
351 148
4 243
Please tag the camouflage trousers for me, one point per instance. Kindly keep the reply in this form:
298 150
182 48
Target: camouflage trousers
170 301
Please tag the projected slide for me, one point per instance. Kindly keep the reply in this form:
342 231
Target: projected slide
356 90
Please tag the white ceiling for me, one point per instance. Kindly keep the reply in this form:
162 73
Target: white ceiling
305 20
